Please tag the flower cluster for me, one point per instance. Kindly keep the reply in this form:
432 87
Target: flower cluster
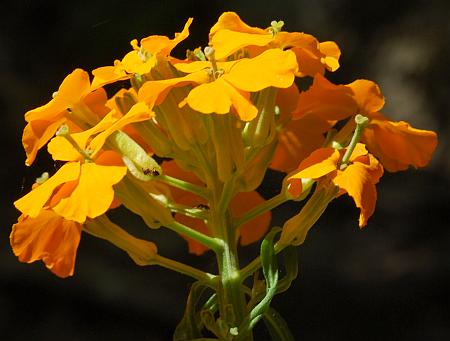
186 144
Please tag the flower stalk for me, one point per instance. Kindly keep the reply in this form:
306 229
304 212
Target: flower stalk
187 144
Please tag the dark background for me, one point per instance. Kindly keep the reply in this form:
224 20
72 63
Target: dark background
389 281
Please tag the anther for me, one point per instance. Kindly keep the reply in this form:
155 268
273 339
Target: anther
276 26
43 178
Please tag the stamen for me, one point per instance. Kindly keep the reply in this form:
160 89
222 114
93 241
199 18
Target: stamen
276 26
63 131
210 54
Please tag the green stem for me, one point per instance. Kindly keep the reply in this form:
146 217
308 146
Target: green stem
262 208
231 297
181 184
255 264
204 277
227 194
213 243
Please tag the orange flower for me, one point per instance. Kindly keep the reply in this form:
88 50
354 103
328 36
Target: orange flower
240 204
228 86
44 121
396 144
298 137
47 237
230 34
141 60
357 179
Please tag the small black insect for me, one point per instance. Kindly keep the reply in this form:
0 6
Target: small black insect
203 206
153 172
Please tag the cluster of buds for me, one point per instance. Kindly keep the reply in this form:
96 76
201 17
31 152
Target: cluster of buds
185 144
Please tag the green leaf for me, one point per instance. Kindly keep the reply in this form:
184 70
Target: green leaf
269 259
290 259
277 326
190 326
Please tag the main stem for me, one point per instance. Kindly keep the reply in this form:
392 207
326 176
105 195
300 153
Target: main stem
232 303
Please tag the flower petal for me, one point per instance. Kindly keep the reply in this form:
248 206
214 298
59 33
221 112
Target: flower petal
273 67
108 74
226 42
358 182
232 21
94 193
326 100
32 203
47 237
367 95
331 53
138 113
163 45
398 145
320 163
36 134
298 139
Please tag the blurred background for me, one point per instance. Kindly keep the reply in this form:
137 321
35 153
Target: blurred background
390 281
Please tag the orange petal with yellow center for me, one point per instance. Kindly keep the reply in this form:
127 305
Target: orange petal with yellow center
47 237
256 228
32 203
94 193
273 67
367 95
398 145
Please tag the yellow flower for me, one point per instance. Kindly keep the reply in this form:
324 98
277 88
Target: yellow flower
47 237
358 178
77 190
228 86
141 60
230 34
